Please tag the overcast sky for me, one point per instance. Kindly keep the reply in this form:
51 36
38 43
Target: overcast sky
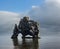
45 12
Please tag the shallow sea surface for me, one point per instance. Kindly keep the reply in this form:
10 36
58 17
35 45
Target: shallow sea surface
46 42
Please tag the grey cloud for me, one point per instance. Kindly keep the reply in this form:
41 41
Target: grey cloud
7 21
48 15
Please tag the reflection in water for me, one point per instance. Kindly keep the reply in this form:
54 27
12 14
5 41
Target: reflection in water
32 44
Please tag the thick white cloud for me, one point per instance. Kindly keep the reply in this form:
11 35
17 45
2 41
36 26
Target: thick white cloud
52 1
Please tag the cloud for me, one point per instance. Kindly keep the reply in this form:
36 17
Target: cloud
53 1
7 21
6 16
47 12
48 15
35 7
